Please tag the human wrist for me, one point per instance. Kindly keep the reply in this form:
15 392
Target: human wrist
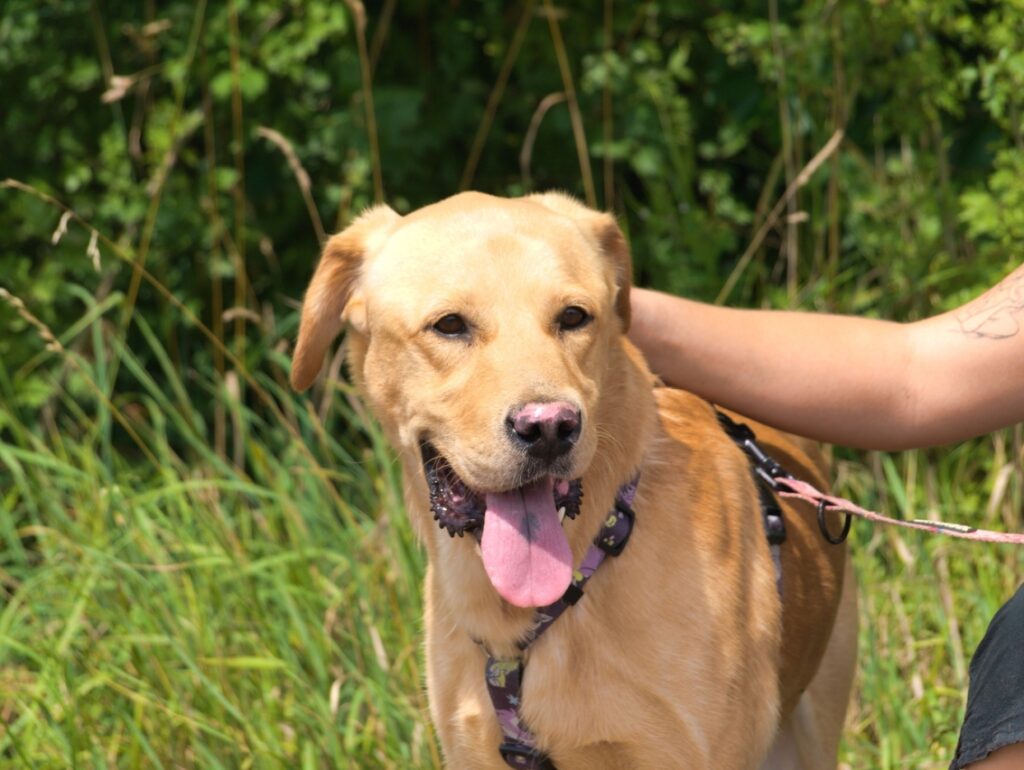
654 328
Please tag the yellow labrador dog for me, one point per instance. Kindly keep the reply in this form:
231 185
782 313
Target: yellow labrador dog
488 337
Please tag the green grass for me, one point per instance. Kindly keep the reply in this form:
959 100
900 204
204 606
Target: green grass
163 608
178 612
925 601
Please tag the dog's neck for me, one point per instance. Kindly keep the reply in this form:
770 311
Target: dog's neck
458 586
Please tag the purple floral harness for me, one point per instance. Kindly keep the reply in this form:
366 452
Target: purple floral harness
504 676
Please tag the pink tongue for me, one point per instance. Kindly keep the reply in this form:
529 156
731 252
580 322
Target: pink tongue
525 552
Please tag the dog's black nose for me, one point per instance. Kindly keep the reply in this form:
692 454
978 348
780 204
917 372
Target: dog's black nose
547 429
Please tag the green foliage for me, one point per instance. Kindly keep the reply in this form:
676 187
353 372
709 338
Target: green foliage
196 568
696 137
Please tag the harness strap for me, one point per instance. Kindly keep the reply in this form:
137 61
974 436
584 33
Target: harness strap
504 676
767 474
787 485
774 528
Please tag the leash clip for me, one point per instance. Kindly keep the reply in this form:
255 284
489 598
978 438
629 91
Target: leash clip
745 438
764 466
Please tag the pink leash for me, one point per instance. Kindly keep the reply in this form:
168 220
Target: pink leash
790 487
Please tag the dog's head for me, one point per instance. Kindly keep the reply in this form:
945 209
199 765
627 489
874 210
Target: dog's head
483 330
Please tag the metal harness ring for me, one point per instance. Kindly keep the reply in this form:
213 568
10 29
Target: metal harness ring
823 526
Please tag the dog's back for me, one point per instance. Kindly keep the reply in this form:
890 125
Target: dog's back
817 647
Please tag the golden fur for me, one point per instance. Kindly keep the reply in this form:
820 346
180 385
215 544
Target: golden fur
681 654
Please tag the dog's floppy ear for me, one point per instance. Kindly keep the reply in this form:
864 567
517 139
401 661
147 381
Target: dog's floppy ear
334 282
605 231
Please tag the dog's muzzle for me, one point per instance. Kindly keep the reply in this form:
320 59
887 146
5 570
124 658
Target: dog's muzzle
459 509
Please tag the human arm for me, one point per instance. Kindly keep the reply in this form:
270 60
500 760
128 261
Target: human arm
1007 758
842 379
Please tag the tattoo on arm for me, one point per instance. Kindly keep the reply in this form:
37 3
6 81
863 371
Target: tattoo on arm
996 314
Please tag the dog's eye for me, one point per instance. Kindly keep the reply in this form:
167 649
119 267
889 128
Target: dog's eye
573 318
451 325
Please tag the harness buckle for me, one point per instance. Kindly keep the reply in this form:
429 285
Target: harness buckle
774 529
771 513
520 755
612 540
572 594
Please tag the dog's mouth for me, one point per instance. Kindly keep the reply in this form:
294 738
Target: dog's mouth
524 550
